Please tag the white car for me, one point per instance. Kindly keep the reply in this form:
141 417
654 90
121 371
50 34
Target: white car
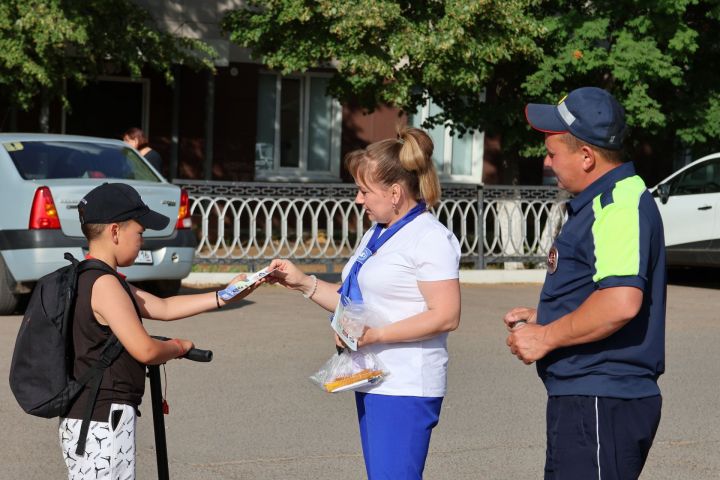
43 179
689 202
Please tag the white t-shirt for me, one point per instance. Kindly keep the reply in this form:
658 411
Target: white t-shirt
423 250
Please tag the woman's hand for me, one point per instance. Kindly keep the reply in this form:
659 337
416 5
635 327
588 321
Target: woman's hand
288 275
370 336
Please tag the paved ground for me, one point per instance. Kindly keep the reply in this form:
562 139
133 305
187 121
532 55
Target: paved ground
252 413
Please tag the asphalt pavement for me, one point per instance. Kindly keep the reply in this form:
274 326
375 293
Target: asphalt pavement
253 414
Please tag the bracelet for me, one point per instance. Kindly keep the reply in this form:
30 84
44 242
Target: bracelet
313 289
217 299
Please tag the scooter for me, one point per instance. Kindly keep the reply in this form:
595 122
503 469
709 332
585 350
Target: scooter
194 354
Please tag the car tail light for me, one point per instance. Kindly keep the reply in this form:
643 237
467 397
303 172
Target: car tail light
184 220
43 214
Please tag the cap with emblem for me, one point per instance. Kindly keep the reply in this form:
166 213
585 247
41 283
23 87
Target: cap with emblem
118 202
588 113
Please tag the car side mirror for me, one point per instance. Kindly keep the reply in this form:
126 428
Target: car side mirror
664 192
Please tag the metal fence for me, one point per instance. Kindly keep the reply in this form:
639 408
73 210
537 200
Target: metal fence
251 223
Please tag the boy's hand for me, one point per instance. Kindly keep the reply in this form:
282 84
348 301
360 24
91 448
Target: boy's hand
184 346
241 278
238 278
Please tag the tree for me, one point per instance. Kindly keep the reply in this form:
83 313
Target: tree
43 43
655 56
394 52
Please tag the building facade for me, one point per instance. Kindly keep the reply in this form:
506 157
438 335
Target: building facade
244 122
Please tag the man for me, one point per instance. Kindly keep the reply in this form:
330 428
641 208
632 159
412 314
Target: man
598 333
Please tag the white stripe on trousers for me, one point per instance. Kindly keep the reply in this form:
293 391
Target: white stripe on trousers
109 455
597 436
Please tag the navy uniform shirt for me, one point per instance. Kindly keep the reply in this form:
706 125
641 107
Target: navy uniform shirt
613 237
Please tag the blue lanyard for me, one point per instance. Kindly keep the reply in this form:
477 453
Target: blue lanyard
350 289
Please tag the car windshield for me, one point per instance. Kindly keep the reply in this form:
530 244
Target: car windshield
40 160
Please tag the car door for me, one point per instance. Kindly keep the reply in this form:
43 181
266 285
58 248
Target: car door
690 213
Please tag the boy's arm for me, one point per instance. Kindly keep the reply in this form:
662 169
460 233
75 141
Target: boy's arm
181 306
112 307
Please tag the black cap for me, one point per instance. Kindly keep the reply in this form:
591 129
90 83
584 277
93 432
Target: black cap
588 113
118 202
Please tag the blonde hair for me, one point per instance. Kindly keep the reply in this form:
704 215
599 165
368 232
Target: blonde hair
406 159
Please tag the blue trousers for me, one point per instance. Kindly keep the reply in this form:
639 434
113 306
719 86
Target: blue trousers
599 438
395 434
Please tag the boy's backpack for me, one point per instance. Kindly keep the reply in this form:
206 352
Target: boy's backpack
41 372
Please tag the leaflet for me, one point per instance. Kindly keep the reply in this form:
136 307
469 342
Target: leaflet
344 328
237 287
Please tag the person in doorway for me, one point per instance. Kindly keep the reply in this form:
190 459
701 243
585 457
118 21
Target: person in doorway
136 138
598 333
113 218
409 272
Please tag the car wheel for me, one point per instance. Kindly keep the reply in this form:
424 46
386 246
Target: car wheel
161 288
8 298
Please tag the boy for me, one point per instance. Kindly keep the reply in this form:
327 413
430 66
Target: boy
113 218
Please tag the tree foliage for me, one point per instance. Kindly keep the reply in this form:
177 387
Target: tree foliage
394 52
43 43
655 56
481 61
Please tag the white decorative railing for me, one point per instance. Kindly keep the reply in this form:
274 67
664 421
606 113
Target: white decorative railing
320 223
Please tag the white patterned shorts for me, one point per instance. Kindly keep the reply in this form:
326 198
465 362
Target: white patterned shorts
109 447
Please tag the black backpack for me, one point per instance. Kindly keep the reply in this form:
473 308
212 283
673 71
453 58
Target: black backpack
41 372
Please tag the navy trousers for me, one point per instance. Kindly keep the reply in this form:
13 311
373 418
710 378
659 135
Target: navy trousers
599 437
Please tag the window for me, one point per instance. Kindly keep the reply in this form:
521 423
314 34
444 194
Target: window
458 159
298 129
107 107
36 160
703 178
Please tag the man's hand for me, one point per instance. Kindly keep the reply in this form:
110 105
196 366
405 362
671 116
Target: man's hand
528 343
520 314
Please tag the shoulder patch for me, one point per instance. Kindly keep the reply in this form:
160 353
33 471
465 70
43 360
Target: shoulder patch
616 229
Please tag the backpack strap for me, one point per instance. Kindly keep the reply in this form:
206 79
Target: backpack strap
111 350
93 377
69 296
93 264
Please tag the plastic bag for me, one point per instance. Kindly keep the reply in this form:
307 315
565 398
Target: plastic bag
349 370
350 321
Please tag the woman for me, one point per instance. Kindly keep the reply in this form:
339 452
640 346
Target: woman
136 138
412 277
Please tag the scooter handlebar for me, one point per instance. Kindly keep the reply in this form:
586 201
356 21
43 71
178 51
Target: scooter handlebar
194 354
198 355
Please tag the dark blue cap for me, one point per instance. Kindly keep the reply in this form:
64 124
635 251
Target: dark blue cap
588 113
